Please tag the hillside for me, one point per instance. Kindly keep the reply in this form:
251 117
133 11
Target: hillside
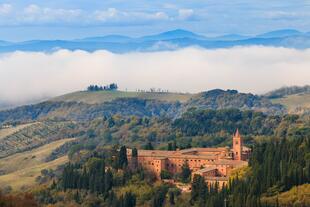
99 97
297 103
286 91
296 99
12 130
84 106
30 136
220 99
21 170
297 196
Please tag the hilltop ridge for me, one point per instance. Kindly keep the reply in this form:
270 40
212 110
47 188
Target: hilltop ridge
89 105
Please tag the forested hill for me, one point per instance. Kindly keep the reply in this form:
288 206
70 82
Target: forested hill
89 105
220 99
295 99
285 91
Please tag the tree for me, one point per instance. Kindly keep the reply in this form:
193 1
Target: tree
108 181
199 189
134 158
164 174
159 197
171 198
185 174
122 157
169 146
107 136
113 86
148 146
129 200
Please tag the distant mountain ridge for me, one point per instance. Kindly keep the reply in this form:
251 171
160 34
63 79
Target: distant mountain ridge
280 33
179 38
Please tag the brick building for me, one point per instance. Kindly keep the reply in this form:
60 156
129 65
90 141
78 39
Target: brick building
214 164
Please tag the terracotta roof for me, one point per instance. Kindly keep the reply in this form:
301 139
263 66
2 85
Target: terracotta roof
172 154
234 163
210 149
237 134
217 178
206 169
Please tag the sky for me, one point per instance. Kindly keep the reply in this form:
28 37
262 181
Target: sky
70 19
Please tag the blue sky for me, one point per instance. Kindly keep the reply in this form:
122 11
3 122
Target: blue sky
68 19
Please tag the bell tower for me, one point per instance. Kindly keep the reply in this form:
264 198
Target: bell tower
237 146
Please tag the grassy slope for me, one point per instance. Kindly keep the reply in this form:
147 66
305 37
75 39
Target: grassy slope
295 103
104 96
12 130
23 168
297 196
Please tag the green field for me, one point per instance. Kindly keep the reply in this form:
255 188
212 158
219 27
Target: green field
20 170
297 103
104 96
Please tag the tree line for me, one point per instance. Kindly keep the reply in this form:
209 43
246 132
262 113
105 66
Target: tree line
109 87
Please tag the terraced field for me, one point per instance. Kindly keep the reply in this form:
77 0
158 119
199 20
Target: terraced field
8 131
20 170
30 136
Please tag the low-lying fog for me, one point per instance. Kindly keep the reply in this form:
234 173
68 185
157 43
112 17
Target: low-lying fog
27 76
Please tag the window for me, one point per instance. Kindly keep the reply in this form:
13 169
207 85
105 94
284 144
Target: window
236 142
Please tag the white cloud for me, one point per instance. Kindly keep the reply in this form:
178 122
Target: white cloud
26 76
34 14
37 15
5 9
185 14
113 14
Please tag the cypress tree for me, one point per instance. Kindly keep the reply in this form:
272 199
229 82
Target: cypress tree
122 158
108 180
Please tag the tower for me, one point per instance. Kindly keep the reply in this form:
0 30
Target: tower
237 146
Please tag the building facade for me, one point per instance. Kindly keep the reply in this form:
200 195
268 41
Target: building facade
214 164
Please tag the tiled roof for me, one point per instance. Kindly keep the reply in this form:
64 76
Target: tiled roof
217 178
234 163
206 169
172 154
210 149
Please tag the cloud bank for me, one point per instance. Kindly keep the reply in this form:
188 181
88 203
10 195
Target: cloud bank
26 76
